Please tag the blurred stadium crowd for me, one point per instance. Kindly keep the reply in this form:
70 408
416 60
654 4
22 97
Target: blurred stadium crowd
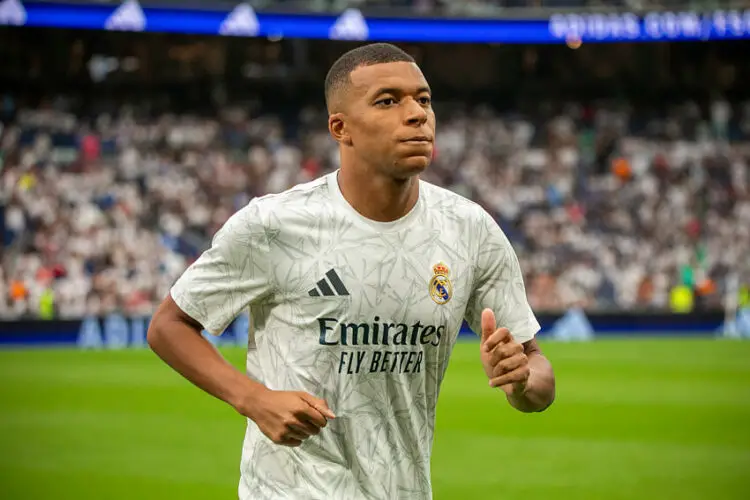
620 172
608 207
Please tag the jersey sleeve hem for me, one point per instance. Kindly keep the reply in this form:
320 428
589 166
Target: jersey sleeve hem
526 331
188 308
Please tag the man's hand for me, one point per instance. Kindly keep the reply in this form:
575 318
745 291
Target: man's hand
503 359
286 418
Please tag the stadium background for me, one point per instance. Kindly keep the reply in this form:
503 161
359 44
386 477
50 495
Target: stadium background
611 140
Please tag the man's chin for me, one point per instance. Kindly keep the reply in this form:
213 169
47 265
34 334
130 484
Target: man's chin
411 166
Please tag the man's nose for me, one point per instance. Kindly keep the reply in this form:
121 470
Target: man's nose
415 113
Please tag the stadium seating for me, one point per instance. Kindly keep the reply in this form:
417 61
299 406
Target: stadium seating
602 204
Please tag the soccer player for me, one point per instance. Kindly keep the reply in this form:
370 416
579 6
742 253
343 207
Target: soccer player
357 284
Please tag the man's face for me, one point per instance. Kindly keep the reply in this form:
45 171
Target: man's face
388 118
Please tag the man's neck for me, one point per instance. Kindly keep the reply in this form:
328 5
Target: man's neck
376 197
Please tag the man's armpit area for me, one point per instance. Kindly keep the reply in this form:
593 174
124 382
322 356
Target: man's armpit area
170 309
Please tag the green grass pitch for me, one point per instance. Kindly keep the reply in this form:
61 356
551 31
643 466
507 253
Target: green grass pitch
634 419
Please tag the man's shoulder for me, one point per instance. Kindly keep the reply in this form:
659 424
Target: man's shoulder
299 195
449 202
297 204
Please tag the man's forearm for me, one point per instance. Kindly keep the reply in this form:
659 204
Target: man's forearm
539 391
183 348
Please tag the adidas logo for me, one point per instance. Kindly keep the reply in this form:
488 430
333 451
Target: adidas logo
350 25
12 13
242 21
127 17
324 286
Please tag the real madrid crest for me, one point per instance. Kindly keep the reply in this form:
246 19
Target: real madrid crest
441 288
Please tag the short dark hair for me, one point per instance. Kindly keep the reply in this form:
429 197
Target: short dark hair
365 55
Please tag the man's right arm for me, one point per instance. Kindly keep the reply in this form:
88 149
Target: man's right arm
235 272
176 338
286 418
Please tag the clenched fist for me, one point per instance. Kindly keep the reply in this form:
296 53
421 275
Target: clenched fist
287 418
503 359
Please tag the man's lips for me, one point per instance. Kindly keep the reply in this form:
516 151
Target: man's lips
419 139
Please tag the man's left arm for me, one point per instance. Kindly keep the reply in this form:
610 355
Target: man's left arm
520 370
538 392
510 354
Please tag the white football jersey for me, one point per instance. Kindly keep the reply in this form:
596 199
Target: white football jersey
363 314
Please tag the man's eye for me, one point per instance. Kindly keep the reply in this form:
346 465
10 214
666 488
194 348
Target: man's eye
425 100
388 101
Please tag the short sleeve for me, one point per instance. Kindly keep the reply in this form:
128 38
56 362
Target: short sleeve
498 285
230 275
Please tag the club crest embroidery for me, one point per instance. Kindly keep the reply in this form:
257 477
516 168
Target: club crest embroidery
441 288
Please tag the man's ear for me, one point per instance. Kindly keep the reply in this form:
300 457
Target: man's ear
337 128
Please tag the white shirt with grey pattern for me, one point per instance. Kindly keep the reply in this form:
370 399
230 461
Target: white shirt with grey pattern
360 313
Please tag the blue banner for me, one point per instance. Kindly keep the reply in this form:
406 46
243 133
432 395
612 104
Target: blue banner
117 332
352 25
